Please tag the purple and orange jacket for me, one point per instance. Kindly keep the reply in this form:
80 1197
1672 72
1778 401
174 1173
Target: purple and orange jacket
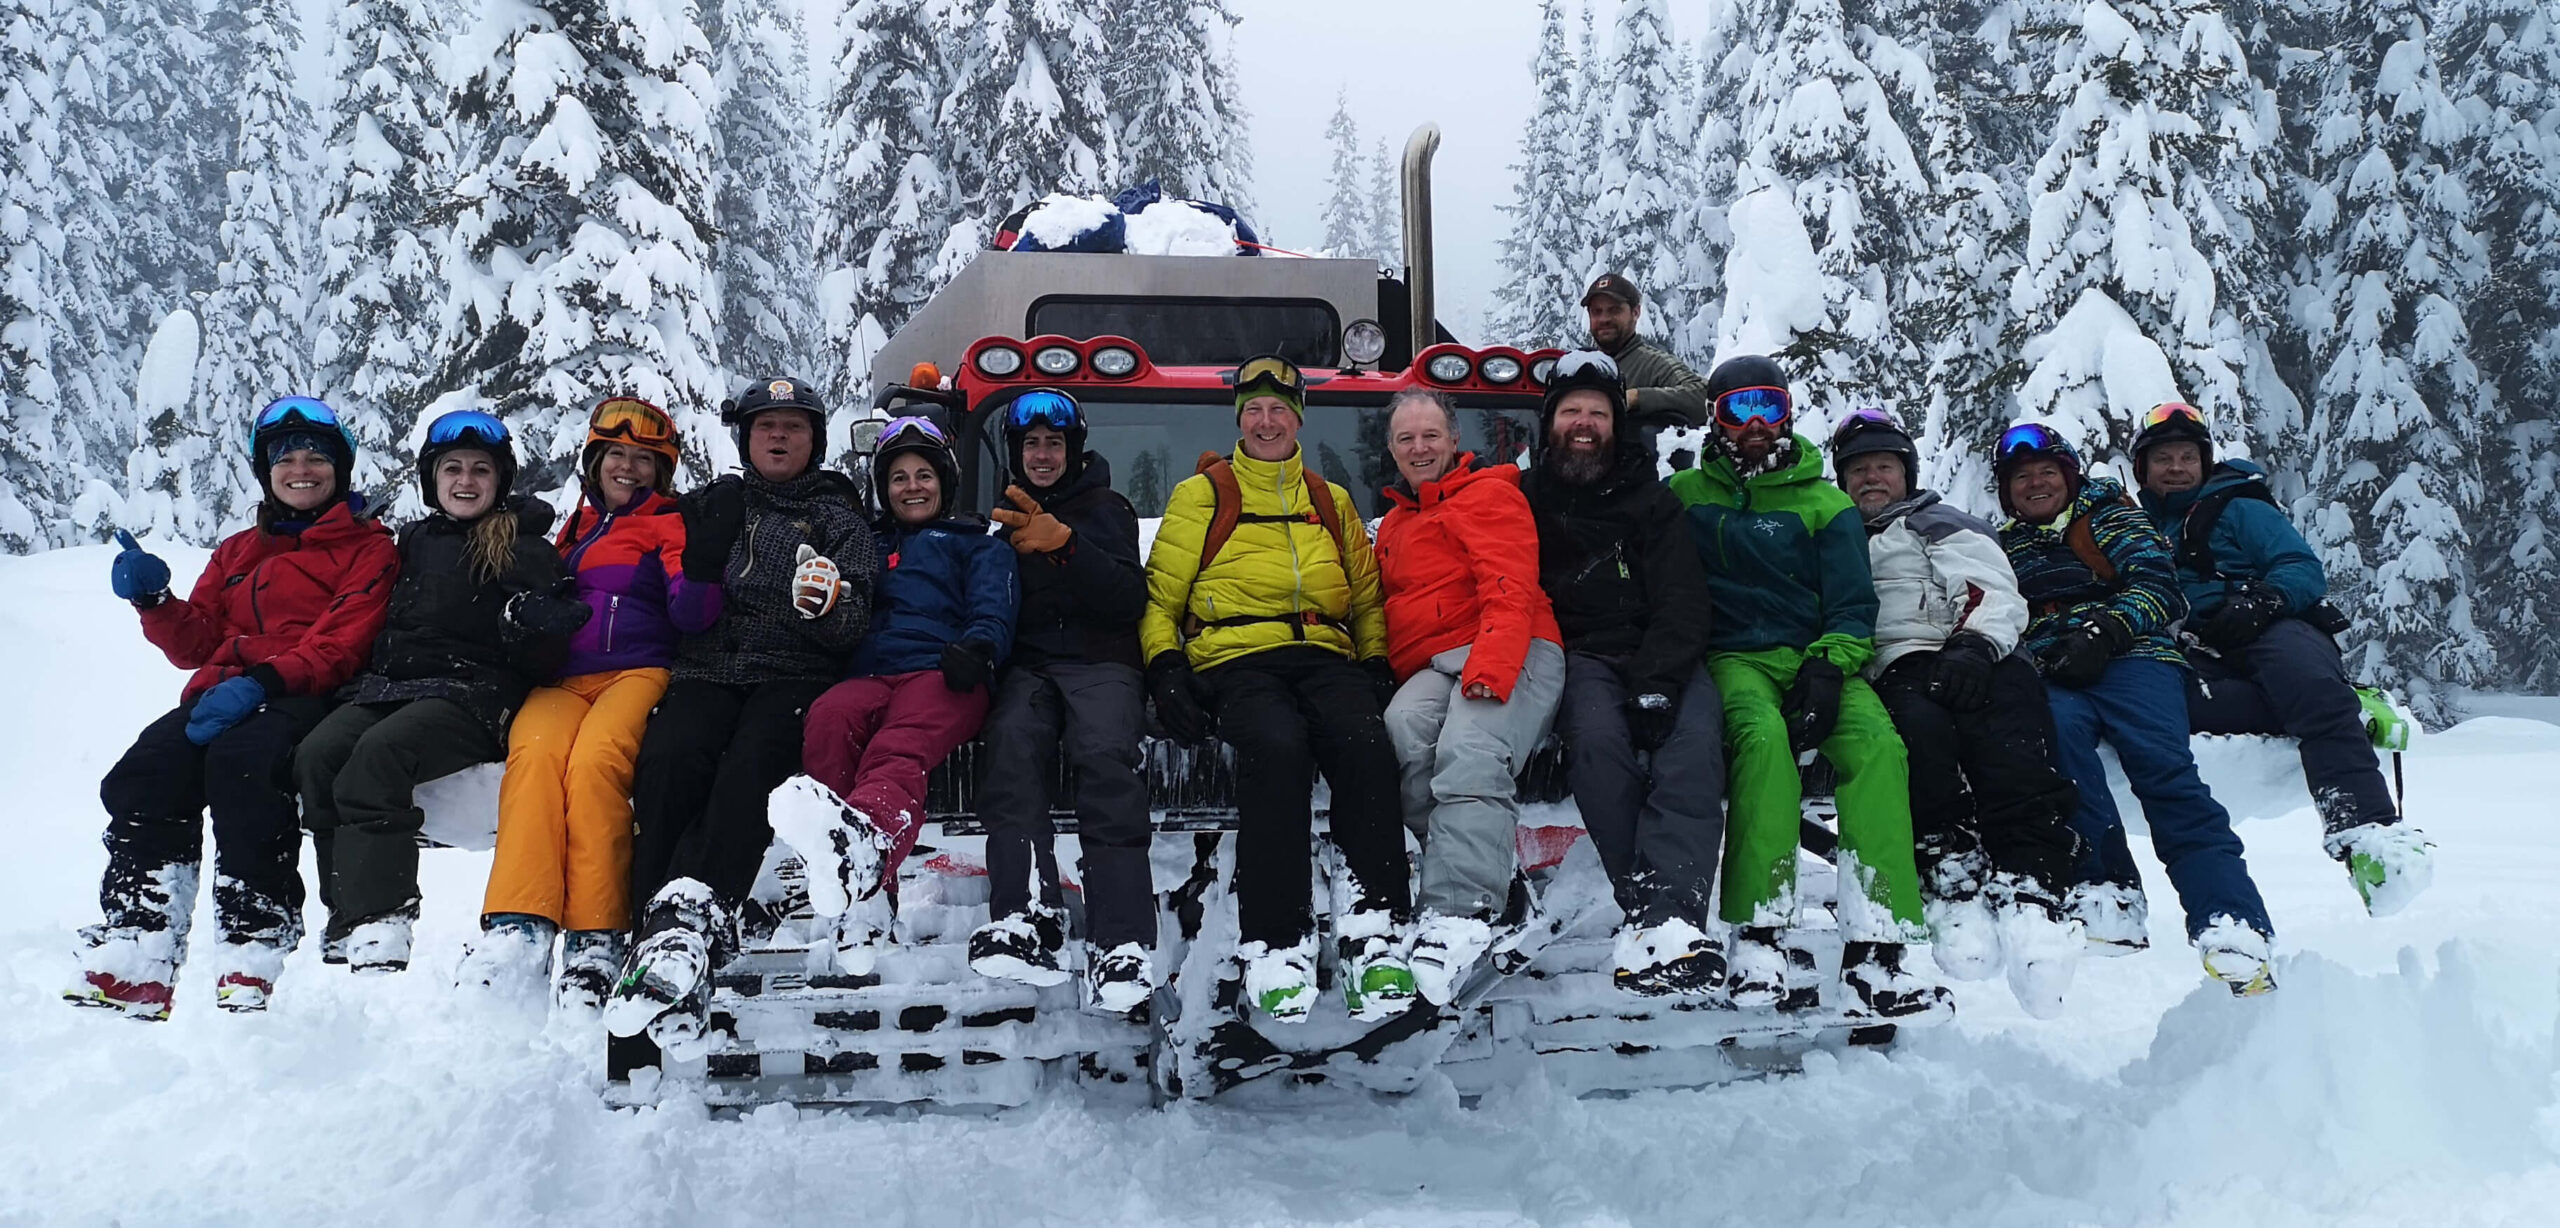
630 569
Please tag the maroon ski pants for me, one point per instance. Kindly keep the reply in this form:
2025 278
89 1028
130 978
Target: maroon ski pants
872 740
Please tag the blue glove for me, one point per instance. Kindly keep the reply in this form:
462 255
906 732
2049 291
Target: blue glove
139 574
226 705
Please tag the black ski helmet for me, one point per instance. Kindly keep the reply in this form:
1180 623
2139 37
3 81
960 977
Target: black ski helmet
920 434
1745 371
740 411
2171 422
467 428
1578 370
1047 407
1871 430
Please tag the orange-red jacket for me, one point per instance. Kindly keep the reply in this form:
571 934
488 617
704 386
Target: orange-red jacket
1459 561
305 606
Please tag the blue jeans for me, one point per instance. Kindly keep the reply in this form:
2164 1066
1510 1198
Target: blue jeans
2140 708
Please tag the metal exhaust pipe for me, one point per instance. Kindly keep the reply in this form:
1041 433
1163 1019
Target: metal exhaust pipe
1418 151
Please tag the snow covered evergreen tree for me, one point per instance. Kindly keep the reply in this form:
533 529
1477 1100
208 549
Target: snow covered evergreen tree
2396 411
40 459
1591 96
374 354
1029 76
763 205
92 350
1634 200
1386 208
170 144
888 183
1171 82
1534 304
1347 227
2153 156
255 348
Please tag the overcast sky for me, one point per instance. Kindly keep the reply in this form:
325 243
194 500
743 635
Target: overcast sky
1463 64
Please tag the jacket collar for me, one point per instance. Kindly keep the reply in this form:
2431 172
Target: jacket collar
1267 473
1886 515
1093 474
1467 472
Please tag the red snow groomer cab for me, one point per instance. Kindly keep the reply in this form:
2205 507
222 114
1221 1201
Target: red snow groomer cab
1147 345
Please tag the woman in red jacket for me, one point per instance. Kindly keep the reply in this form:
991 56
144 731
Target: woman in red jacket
1471 634
284 614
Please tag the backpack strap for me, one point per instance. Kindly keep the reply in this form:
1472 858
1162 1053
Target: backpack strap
1228 509
2195 544
2083 541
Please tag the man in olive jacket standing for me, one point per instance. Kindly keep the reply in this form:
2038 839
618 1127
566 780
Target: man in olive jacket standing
1661 390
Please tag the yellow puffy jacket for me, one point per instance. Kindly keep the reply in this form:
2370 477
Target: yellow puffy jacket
1280 571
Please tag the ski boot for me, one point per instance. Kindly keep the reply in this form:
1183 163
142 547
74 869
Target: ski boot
2390 863
1022 947
2115 918
1280 982
1377 979
1673 957
511 958
247 965
2040 943
589 961
839 847
1756 971
2387 726
1445 950
671 965
865 931
381 945
2237 956
1873 972
125 969
1963 937
1119 980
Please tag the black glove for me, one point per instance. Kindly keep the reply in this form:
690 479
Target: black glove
1382 679
1649 719
2245 613
2079 659
1179 696
968 665
713 517
546 616
1960 672
1812 705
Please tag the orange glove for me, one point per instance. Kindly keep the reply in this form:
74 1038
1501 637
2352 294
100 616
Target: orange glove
1034 531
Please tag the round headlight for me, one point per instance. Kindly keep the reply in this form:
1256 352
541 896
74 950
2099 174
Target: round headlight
999 360
1057 360
1113 361
1364 342
1500 369
1542 370
1448 368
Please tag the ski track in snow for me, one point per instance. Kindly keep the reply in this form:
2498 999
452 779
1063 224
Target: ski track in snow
2404 1073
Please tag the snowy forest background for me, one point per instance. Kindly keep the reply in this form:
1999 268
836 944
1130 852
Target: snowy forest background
2333 224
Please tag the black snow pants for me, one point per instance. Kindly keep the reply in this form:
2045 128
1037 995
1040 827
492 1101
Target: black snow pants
1658 824
360 771
1287 712
1984 787
1089 714
712 757
156 798
2291 682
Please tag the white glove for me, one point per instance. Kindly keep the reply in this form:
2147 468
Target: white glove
815 585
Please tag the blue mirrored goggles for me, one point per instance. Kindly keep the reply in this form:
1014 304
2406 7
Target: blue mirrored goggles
293 411
2031 437
1744 406
462 425
1040 406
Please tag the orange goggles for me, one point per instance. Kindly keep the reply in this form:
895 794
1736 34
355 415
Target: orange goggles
1277 375
632 420
2171 411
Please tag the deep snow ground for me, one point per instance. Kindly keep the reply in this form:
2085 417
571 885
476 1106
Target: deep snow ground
2403 1074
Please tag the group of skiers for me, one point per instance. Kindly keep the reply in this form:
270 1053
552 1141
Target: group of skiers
675 682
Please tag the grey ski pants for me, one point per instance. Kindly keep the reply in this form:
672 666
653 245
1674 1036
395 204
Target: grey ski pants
1460 761
1659 825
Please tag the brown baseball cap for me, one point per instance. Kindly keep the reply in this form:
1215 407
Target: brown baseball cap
1614 286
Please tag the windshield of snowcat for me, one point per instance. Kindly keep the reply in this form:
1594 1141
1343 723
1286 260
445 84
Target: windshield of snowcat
1153 445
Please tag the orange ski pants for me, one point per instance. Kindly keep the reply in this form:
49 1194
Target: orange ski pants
564 809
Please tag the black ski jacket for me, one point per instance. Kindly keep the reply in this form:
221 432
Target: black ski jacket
760 636
1616 559
448 636
1083 603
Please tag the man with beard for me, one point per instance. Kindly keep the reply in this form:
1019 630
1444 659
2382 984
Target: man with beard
1642 723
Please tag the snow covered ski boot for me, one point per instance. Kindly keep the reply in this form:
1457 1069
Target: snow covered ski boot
839 846
381 945
1873 973
2238 956
2116 919
1756 972
589 962
671 965
1119 980
1963 937
1022 947
1445 950
246 967
511 959
2390 863
1280 982
2040 943
1377 980
125 969
1674 957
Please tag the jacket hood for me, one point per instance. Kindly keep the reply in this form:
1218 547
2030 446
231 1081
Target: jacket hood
1468 472
1896 510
